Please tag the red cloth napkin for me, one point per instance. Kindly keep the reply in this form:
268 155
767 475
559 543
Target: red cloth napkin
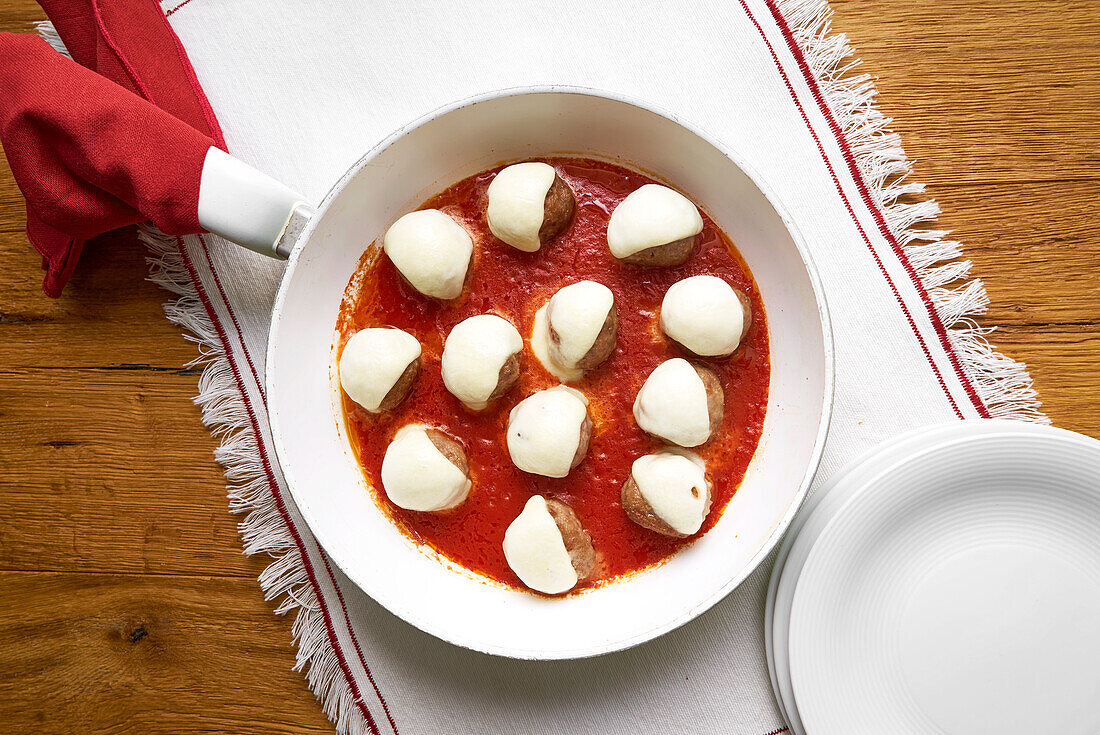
89 154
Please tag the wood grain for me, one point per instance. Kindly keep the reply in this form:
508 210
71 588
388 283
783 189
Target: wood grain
126 605
108 315
134 655
79 496
985 91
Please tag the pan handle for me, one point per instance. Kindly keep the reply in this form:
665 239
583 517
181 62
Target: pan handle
249 207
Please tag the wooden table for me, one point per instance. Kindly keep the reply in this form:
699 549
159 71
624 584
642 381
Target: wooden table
126 605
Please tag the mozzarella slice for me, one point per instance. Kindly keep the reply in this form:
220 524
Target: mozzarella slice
650 216
544 431
517 203
577 313
417 476
704 314
674 485
672 404
372 362
540 345
535 550
431 251
475 351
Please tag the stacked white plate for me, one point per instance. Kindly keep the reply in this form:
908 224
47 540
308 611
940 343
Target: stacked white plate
948 583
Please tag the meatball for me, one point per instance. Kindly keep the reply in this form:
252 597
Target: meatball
540 346
431 251
547 547
450 449
378 367
529 204
548 432
706 316
481 359
583 325
681 403
716 397
558 209
507 377
660 256
577 541
668 493
400 387
423 469
654 226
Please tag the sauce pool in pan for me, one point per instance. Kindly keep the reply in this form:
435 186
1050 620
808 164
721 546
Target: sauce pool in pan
514 284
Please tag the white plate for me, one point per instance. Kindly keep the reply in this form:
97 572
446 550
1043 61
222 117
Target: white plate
958 593
815 514
304 396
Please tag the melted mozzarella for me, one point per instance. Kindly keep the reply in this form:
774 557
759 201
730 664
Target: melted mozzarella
544 431
417 476
535 550
703 314
517 203
475 351
577 313
540 345
431 251
672 404
372 361
674 485
650 216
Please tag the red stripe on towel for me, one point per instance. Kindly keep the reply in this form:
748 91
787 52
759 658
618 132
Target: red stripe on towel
876 211
176 8
933 315
273 486
272 483
355 639
233 318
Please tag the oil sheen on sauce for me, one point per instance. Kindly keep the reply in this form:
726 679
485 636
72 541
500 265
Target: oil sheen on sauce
514 284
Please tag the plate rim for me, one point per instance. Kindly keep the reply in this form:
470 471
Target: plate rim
1054 435
780 585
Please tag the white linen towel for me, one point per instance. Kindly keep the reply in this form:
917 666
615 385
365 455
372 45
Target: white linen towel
302 89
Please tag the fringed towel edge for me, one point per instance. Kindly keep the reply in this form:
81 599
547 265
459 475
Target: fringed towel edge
1003 384
262 528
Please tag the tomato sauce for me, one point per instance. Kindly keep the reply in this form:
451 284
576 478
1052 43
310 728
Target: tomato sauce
514 284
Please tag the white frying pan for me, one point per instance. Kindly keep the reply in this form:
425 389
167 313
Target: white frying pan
324 247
